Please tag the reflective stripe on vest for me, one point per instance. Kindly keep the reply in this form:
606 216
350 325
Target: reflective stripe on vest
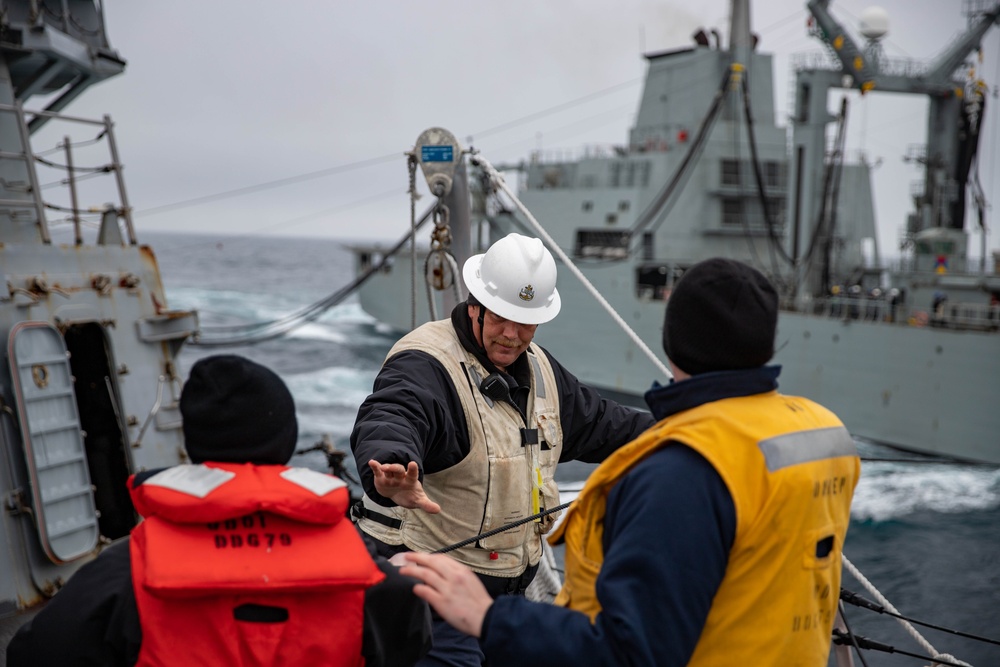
791 469
247 581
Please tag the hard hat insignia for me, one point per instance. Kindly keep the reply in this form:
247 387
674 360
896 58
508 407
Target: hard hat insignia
527 293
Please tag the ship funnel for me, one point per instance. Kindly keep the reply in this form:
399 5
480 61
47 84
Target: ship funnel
739 30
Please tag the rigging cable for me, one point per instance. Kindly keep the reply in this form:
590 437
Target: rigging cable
840 637
775 242
856 573
858 601
836 167
268 185
371 161
411 166
658 209
501 529
738 162
262 331
827 179
499 182
850 634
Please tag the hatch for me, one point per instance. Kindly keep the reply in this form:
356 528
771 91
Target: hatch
61 491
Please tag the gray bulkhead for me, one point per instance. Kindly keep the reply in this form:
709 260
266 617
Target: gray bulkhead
89 380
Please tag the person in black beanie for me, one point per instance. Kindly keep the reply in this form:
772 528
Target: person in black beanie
714 537
236 551
237 411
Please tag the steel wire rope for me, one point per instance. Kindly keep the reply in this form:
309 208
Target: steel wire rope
63 182
501 529
837 168
870 587
499 182
154 210
657 210
850 633
572 129
61 148
66 167
868 644
996 112
822 213
859 601
744 214
775 244
558 107
264 331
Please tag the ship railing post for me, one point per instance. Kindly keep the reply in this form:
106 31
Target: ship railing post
126 211
71 182
29 160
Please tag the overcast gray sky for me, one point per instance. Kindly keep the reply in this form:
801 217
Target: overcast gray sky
219 96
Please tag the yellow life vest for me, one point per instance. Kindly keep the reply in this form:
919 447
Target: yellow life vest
791 468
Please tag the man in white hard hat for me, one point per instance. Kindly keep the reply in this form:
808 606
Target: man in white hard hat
466 423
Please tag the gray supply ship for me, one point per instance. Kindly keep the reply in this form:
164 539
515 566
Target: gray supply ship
89 378
907 354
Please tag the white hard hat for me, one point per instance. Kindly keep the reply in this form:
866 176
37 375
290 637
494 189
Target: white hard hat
516 279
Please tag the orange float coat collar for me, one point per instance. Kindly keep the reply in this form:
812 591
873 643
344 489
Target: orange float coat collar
238 564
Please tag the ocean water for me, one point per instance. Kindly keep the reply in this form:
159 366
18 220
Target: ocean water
926 535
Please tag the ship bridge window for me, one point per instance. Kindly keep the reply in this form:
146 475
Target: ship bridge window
368 260
623 205
655 281
648 247
748 213
611 219
925 247
601 244
588 206
774 174
615 174
732 212
730 172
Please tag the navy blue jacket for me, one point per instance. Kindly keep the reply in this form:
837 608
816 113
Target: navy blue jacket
414 413
669 526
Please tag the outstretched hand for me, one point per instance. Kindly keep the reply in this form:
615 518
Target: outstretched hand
454 590
402 485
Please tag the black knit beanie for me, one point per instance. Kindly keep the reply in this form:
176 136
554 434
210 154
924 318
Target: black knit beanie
236 411
721 315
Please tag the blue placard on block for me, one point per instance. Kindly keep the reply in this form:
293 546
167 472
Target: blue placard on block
437 153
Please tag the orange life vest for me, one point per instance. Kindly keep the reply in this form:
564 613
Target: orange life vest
238 564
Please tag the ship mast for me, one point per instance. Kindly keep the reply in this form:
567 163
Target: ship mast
740 40
941 205
43 53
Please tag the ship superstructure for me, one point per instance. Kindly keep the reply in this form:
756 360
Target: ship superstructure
89 380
